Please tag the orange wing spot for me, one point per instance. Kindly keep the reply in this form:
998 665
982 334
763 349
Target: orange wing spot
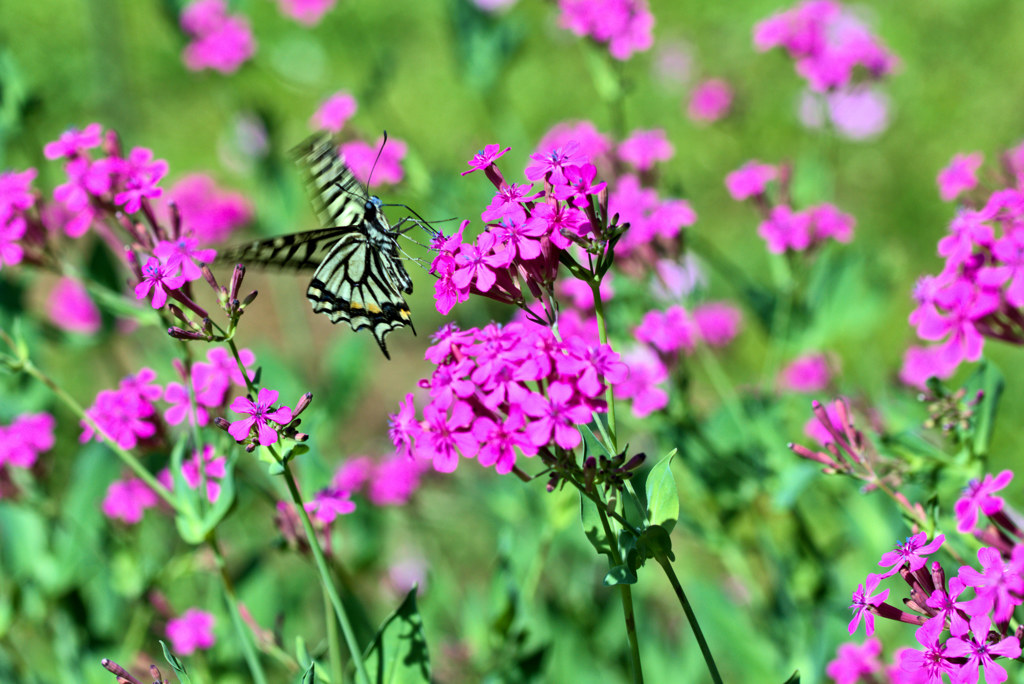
357 305
373 308
404 314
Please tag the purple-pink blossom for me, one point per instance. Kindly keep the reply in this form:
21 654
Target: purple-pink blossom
642 149
710 101
959 176
979 497
260 414
308 12
208 213
126 500
807 373
750 180
157 280
69 307
191 632
220 41
362 157
139 174
625 25
25 438
335 111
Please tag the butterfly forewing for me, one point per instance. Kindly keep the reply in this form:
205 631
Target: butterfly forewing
359 277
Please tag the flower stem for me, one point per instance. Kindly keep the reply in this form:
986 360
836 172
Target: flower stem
691 618
325 576
626 595
245 637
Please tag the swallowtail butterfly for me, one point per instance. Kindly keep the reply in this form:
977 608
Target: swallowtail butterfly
358 275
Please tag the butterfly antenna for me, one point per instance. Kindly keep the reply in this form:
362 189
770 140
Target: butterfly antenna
380 150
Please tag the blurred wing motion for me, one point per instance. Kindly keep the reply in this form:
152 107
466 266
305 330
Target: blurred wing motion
359 277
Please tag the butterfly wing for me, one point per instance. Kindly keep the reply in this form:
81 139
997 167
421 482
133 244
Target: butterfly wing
358 276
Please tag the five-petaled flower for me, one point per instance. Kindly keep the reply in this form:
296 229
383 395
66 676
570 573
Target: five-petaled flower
260 414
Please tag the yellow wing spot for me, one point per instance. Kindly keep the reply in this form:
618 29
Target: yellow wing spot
373 308
404 313
356 305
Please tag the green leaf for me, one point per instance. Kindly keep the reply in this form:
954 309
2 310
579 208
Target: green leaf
593 528
662 494
655 542
309 677
988 380
794 678
620 574
398 654
176 665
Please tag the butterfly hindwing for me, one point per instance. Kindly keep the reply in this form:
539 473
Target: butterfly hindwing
358 276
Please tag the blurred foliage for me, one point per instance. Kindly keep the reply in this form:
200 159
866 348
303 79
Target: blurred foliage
767 549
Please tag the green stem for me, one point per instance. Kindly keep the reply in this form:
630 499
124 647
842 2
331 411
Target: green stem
692 618
126 456
244 635
325 576
626 595
334 650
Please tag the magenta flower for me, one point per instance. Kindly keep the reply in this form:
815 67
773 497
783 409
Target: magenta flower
912 551
590 144
403 427
353 473
551 165
157 279
863 601
980 497
500 439
643 148
22 441
328 504
668 331
557 416
208 213
858 112
214 467
710 101
808 373
444 436
70 308
932 661
127 500
261 413
394 481
141 176
360 157
182 256
308 12
999 586
965 305
922 363
485 157
191 631
717 323
219 41
579 185
626 25
854 662
646 372
508 202
961 175
125 414
948 605
335 111
73 142
750 180
11 231
980 652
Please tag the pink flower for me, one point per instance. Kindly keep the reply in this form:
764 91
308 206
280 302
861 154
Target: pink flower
854 662
643 148
921 363
959 176
485 157
859 112
126 500
912 551
710 101
219 41
157 279
191 631
980 497
308 12
11 230
590 143
646 372
808 373
557 416
717 322
141 176
207 212
182 255
73 143
22 441
360 157
862 600
750 179
335 111
125 414
70 308
214 469
328 504
261 414
626 25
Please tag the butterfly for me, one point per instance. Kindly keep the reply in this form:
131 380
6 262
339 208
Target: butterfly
358 275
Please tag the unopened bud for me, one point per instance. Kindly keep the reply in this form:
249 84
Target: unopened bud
236 281
221 423
181 334
208 276
179 314
248 299
302 403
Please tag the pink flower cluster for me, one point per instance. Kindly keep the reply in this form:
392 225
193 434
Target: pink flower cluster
980 291
654 223
15 199
308 12
95 183
129 414
334 112
783 228
389 481
174 263
220 41
627 26
827 42
959 635
710 101
501 388
23 440
191 632
208 213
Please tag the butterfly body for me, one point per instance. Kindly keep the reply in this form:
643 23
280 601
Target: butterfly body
358 276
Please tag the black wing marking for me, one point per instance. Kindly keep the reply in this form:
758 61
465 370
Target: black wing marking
297 252
337 197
